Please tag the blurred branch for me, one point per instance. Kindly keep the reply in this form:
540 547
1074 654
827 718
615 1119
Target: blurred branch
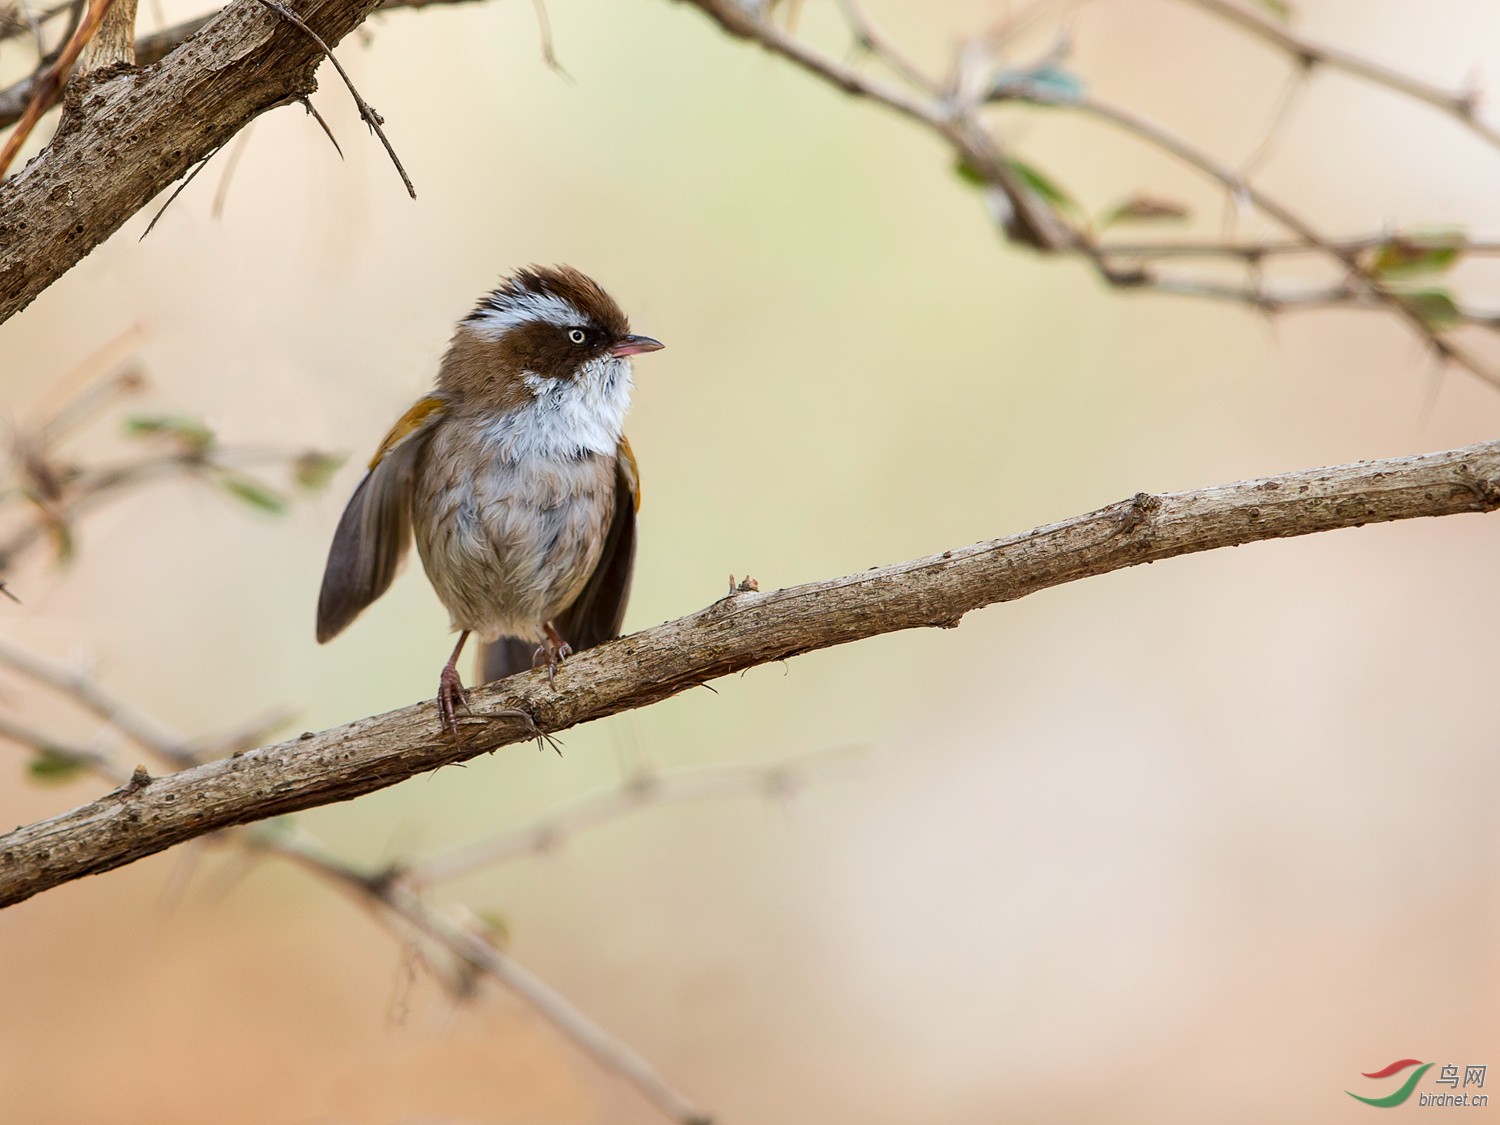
170 135
738 632
1462 105
50 489
647 788
477 949
394 895
1272 248
1033 212
1366 287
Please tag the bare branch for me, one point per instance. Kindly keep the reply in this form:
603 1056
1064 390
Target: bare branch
1369 285
734 633
159 44
1462 105
49 85
128 135
1271 248
114 42
80 686
479 952
646 789
392 903
367 112
1031 220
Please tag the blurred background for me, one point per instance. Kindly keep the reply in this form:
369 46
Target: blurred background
1199 840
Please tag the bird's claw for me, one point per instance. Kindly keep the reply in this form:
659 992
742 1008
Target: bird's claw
552 655
554 650
451 696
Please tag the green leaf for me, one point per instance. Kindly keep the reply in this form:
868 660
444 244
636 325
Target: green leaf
1029 175
313 470
1048 82
253 493
1044 186
1145 209
968 173
1435 306
496 927
1407 255
54 767
64 547
193 435
1278 8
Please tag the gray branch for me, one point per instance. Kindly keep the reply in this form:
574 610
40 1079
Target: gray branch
148 815
124 136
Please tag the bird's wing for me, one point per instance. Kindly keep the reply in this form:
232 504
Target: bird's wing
597 613
375 530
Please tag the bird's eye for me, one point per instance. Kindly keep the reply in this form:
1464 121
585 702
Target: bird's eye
577 335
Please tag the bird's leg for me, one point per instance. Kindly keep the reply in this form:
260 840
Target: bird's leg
451 693
554 650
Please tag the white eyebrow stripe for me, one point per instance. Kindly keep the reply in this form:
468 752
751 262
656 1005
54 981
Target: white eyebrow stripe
523 309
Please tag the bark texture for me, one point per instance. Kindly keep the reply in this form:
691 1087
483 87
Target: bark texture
126 134
740 631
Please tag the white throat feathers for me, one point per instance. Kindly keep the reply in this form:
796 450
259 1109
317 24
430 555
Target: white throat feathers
568 418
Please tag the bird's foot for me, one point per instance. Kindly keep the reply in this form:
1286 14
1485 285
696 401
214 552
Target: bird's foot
451 696
554 650
551 655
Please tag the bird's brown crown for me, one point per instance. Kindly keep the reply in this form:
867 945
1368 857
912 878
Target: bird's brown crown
547 321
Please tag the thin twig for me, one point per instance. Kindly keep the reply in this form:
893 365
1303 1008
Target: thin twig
608 1052
549 51
46 90
1163 138
84 757
646 789
178 190
729 636
1027 218
392 902
76 684
1255 251
231 164
1462 105
366 110
327 132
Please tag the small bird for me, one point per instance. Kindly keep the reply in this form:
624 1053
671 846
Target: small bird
517 479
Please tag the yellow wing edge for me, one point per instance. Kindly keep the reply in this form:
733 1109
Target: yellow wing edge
632 470
410 422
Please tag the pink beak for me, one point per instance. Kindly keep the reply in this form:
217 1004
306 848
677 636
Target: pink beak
634 345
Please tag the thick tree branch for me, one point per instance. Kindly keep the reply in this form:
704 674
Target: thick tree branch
398 902
124 137
146 816
156 46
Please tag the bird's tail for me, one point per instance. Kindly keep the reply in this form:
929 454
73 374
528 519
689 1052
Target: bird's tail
505 657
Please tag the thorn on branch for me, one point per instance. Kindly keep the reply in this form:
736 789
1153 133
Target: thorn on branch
367 112
318 117
139 779
178 190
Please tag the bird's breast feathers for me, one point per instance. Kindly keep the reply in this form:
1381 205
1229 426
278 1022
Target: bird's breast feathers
568 417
